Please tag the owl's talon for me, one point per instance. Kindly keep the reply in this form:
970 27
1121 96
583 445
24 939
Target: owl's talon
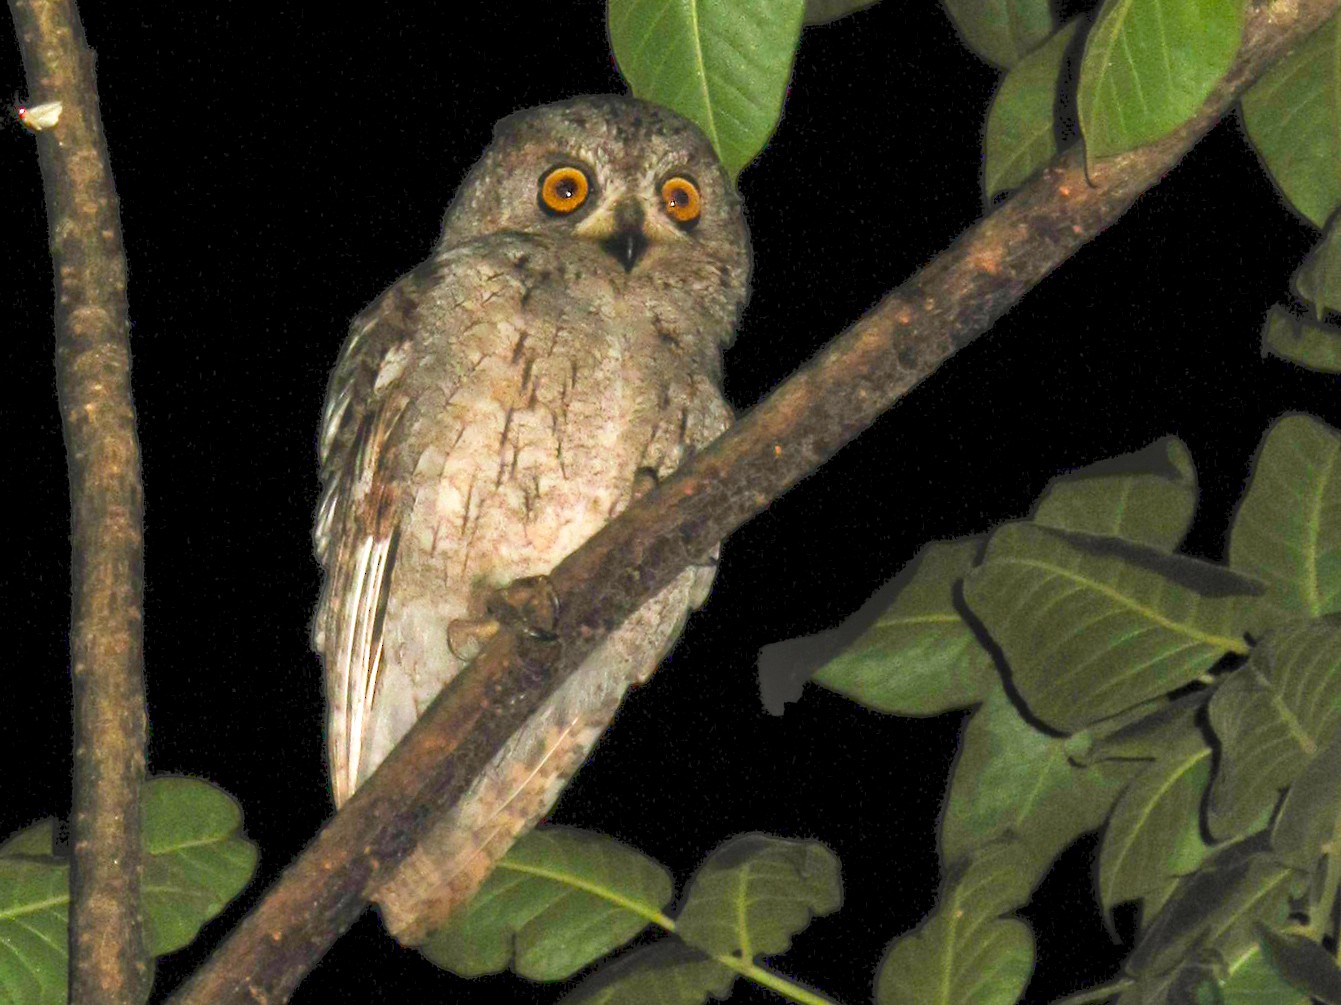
467 636
644 481
529 605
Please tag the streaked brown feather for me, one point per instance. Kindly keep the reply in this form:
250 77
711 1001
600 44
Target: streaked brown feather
488 414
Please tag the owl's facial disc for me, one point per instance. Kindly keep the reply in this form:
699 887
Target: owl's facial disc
627 228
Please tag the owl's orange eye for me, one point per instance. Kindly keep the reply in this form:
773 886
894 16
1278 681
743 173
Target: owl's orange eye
563 190
681 200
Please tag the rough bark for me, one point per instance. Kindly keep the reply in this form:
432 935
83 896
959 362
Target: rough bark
93 387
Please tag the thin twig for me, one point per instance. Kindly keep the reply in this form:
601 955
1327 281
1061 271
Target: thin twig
93 387
860 375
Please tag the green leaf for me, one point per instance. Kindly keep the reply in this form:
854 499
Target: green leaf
1287 531
36 839
755 892
1184 985
1154 834
919 657
722 63
824 11
558 900
197 859
1148 735
1306 343
965 951
669 973
1304 963
1153 902
1291 116
1247 978
1216 909
1209 979
1092 626
1272 716
1021 126
1148 67
1310 817
1013 780
1318 280
34 930
1002 31
1147 497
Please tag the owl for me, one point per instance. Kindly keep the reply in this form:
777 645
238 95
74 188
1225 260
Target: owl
556 356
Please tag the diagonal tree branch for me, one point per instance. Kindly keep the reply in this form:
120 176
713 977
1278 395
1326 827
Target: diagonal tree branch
93 387
818 410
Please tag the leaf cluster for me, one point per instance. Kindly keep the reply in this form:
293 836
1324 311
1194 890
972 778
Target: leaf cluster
563 898
1192 710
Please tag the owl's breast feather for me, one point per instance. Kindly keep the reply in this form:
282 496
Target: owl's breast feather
547 390
529 400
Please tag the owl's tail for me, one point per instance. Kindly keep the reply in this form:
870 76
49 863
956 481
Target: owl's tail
448 867
523 781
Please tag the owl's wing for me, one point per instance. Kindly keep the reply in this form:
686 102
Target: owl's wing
359 516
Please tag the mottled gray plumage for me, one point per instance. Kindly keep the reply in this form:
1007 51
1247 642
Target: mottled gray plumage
488 413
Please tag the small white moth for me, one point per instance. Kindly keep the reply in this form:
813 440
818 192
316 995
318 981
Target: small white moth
39 117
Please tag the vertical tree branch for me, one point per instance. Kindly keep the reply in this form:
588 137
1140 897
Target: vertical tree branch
93 386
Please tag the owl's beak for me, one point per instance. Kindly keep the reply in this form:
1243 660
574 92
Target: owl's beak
627 242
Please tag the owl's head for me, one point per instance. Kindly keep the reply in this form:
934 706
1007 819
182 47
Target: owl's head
635 180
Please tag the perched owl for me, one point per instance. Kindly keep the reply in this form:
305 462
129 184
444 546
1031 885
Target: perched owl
558 353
